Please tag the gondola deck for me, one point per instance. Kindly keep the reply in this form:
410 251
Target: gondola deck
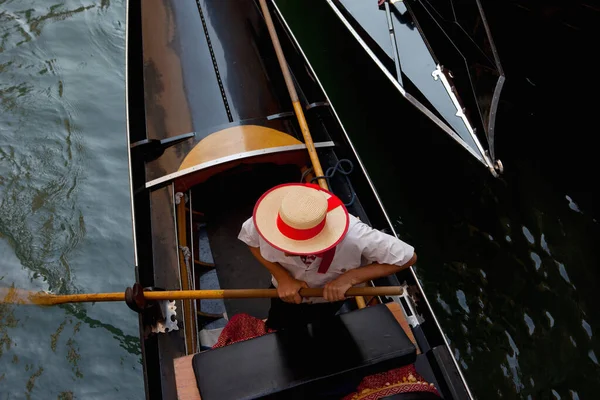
210 128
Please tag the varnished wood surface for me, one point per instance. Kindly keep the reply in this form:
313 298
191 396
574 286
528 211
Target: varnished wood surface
166 276
296 157
189 319
235 140
291 86
187 389
399 315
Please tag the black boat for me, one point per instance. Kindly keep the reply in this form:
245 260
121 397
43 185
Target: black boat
210 128
441 57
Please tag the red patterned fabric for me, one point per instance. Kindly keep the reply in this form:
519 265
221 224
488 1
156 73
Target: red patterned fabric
241 327
395 381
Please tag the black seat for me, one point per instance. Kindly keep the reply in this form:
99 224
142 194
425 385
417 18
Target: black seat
324 359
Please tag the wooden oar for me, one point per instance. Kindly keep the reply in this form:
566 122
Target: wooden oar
19 296
289 82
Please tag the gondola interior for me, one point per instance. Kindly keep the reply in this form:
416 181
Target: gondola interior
212 101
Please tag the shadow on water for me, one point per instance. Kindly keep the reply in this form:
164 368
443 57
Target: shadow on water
510 265
51 153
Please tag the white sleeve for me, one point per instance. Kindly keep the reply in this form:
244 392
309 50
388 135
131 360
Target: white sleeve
248 234
381 248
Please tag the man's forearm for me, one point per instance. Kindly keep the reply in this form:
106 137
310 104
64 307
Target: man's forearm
374 271
275 269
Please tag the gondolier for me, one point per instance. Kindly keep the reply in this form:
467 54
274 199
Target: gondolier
306 238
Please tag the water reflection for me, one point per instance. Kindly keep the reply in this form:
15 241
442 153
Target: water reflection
530 324
550 319
572 204
63 189
528 235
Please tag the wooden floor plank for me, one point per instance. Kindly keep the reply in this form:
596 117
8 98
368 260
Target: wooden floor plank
187 389
399 315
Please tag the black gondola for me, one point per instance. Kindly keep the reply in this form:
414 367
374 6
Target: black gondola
210 128
441 57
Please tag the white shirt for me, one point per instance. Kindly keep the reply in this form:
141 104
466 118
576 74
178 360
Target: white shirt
361 246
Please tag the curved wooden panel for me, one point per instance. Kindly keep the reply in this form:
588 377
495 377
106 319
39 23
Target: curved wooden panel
235 140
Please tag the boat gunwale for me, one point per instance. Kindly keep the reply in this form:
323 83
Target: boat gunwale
128 135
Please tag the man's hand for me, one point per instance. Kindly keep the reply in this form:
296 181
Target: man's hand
337 288
288 289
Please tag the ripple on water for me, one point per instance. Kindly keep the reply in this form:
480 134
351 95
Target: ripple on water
550 319
536 260
563 272
513 363
528 235
572 205
592 357
462 300
530 324
444 305
544 244
587 327
556 395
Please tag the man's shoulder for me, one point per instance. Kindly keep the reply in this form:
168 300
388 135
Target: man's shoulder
356 228
355 223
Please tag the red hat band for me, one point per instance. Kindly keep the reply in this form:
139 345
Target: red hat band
305 234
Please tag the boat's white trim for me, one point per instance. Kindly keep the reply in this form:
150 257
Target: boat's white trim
238 156
439 74
135 255
373 187
404 93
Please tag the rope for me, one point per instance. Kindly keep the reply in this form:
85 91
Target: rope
306 172
187 255
331 171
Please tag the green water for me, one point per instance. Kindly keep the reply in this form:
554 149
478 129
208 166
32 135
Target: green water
65 220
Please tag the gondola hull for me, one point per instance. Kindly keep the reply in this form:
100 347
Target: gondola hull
211 127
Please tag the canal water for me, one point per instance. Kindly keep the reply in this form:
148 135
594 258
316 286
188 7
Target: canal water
65 220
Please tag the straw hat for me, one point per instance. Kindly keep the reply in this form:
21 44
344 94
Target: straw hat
301 219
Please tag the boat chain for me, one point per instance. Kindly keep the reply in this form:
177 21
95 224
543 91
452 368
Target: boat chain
214 61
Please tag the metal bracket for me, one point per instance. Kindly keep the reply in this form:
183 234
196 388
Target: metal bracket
291 114
154 148
158 316
282 115
317 104
407 303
